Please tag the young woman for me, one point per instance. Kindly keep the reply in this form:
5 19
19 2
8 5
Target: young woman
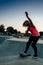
35 35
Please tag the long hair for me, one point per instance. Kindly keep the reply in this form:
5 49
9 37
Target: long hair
26 23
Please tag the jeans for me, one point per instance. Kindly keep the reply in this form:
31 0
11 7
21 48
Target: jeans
32 41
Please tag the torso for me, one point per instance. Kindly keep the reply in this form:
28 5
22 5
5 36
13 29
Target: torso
34 31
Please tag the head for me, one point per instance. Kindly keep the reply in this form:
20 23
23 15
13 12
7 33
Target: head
26 23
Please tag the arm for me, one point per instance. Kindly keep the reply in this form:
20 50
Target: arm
26 31
28 18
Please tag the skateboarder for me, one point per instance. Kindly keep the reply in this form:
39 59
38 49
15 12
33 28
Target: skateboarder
35 35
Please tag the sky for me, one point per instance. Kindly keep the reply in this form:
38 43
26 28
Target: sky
12 13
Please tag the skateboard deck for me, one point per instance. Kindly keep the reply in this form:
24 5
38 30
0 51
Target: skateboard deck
24 55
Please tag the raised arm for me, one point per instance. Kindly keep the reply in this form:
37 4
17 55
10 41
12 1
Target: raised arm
30 21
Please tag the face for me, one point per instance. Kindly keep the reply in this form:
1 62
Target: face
26 23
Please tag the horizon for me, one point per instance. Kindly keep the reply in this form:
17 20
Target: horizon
12 13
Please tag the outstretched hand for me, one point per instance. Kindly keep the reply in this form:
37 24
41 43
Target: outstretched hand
30 21
26 13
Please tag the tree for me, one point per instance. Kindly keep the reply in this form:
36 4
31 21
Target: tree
41 33
19 32
2 28
10 30
15 31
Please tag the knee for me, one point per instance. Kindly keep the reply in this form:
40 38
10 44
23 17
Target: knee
27 44
33 45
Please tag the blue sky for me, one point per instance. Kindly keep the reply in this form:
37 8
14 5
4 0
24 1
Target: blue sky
12 13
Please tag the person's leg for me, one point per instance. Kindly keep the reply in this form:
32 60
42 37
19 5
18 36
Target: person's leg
28 44
34 45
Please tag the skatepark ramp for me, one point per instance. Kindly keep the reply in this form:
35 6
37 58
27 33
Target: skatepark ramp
16 46
16 60
3 38
11 48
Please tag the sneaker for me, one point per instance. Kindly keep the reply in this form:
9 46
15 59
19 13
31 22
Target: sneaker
23 54
26 54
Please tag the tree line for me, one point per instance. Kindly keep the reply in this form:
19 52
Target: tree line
8 31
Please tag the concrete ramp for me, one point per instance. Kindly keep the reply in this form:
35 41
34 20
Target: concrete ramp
3 38
16 60
10 49
15 46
